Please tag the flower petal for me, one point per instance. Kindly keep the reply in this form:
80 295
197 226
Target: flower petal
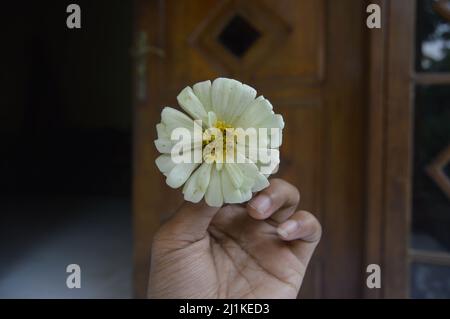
221 91
242 96
235 174
164 163
191 104
197 184
269 165
180 173
214 196
276 139
272 121
230 193
164 146
261 182
253 179
203 91
204 176
230 98
246 195
254 113
212 118
161 131
173 119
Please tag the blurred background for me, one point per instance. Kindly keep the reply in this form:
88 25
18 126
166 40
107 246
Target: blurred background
367 137
65 167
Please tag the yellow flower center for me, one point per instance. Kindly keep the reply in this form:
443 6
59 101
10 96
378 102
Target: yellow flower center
212 138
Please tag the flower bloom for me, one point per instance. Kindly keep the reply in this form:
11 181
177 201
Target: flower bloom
229 143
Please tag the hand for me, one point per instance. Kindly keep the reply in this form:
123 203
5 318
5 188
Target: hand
257 250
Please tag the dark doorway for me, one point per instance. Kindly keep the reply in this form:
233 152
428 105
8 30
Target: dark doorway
66 150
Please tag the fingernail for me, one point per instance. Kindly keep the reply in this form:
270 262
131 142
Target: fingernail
287 228
261 203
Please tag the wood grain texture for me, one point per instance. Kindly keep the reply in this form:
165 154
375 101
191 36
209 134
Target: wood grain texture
343 155
146 196
374 221
399 126
430 257
273 30
432 78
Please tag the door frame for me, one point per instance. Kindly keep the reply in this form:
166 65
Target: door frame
390 147
148 32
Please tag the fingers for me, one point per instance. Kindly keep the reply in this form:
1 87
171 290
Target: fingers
190 222
302 225
277 201
304 232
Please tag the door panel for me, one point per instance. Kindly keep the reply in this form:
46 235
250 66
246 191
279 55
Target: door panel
298 54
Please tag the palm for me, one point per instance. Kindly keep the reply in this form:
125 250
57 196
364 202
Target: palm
251 260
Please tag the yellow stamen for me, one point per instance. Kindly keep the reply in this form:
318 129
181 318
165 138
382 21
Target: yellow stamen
209 137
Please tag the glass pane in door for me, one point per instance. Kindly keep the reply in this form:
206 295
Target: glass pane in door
433 36
431 184
430 281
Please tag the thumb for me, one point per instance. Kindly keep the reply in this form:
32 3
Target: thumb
190 222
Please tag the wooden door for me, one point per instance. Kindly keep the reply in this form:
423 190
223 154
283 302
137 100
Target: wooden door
306 57
409 141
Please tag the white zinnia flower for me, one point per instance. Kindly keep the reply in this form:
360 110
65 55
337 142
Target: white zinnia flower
224 104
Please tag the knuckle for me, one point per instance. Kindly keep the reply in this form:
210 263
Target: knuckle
278 183
314 226
284 188
317 229
292 194
296 194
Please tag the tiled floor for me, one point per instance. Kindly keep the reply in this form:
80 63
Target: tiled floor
39 238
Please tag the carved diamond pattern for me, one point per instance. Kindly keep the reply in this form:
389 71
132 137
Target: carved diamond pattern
238 34
437 171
